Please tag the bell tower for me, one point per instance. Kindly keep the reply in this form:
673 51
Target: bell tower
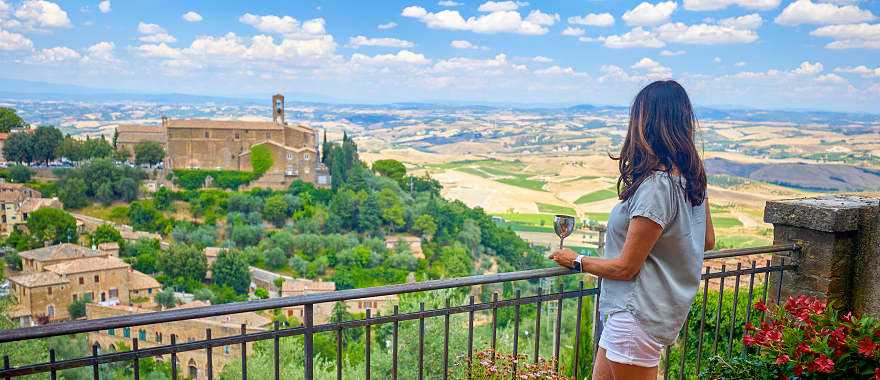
278 108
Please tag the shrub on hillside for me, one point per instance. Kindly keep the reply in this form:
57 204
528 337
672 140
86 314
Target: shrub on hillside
192 179
261 159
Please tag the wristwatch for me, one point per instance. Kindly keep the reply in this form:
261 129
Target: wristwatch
577 263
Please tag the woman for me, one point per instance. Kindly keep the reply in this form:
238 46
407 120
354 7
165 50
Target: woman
655 238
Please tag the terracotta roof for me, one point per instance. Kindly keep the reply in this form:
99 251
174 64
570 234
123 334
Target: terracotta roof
108 245
305 286
223 124
130 133
64 251
138 280
12 196
91 264
3 136
33 204
36 279
250 319
139 128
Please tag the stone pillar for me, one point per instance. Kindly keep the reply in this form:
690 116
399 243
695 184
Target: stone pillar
840 255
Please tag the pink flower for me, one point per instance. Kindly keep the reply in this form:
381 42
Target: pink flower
749 340
760 306
867 347
824 364
782 359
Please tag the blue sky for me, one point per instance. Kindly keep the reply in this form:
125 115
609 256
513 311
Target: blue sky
809 54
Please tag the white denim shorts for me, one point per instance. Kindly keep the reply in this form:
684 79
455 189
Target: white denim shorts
625 342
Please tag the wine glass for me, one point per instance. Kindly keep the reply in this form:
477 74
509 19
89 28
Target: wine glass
563 225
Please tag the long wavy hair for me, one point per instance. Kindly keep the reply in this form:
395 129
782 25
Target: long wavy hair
661 137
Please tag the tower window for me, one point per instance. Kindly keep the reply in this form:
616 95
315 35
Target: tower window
207 134
305 156
237 135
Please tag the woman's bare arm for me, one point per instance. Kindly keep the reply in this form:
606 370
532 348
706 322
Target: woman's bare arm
710 229
641 236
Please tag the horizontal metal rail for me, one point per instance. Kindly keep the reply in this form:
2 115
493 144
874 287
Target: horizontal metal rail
726 253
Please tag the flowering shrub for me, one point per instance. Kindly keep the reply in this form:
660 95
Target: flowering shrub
807 339
501 367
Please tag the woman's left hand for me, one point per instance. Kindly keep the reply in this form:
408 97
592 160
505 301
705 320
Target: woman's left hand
564 257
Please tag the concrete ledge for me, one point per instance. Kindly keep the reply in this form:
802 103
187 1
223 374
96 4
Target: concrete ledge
834 213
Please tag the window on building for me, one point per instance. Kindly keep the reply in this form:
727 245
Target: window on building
97 278
226 349
150 291
289 156
268 135
158 337
88 297
82 281
75 297
126 332
114 294
237 135
50 311
111 332
207 134
305 156
49 289
142 335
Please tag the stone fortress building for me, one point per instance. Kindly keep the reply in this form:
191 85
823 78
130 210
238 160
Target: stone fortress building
227 145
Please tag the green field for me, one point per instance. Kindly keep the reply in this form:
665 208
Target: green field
523 182
555 209
741 241
598 195
474 171
725 222
598 216
533 219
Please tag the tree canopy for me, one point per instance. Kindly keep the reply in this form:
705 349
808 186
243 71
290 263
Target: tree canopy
52 225
148 153
10 120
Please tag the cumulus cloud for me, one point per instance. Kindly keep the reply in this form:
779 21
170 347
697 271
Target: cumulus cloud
647 14
464 44
593 19
56 54
808 68
542 59
808 12
285 25
10 41
535 23
635 38
449 3
557 70
714 5
387 25
862 70
36 15
104 6
156 51
191 16
853 36
672 53
359 41
498 6
574 32
153 33
402 57
101 51
653 67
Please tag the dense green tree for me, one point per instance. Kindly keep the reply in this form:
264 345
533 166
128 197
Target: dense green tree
105 194
145 217
12 259
166 298
275 210
71 149
425 225
46 140
20 174
275 258
470 236
390 168
163 198
392 209
183 263
77 309
52 225
370 216
232 270
106 233
244 203
10 120
148 153
343 211
146 254
126 189
261 293
97 148
19 148
200 236
72 193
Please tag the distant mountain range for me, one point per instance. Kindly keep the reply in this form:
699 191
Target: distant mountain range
43 91
817 177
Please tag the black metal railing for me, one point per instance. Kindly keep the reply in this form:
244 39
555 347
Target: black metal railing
539 299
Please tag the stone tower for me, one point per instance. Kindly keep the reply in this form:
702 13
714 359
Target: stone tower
278 108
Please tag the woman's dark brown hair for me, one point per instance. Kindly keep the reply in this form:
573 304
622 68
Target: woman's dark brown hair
661 137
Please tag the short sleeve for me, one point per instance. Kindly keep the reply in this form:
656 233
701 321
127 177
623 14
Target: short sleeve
654 200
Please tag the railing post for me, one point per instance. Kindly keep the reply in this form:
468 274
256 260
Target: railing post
308 319
839 258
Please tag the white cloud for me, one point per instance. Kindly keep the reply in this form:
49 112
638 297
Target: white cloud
102 51
156 51
635 38
808 12
449 3
154 34
672 53
104 6
462 44
56 54
535 23
717 60
862 70
285 25
704 34
740 64
653 67
714 5
191 16
556 70
498 6
752 21
854 36
39 14
10 41
359 41
402 57
387 25
831 78
542 59
147 28
808 68
593 19
574 32
647 14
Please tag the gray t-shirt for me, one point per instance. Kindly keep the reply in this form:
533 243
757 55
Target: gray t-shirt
660 295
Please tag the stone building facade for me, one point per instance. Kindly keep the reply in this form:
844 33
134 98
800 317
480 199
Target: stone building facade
17 202
193 364
54 277
227 145
129 135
